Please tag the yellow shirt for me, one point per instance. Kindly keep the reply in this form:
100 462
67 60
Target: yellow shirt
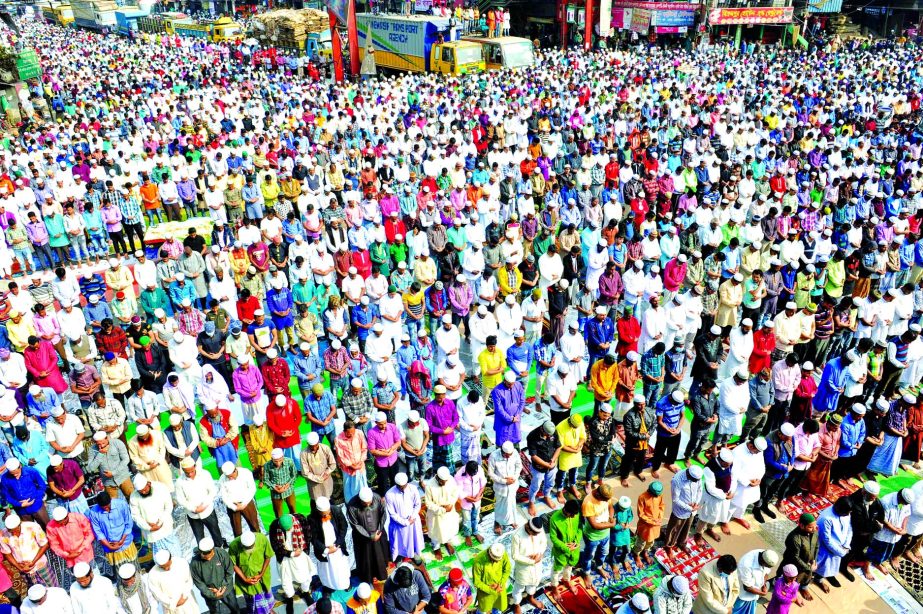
19 333
490 361
572 437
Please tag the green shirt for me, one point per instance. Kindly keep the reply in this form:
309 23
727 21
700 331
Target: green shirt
250 562
562 531
283 475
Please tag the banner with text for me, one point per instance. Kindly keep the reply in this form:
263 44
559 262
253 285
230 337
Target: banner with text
749 16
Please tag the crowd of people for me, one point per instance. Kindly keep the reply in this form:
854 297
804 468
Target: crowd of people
423 273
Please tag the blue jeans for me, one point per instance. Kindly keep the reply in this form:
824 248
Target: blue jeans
595 551
541 482
98 246
151 213
597 464
652 392
24 256
470 519
565 479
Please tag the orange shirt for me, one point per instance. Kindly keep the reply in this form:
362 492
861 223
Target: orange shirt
150 195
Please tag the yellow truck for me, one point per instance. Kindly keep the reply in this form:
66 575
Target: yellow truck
505 51
61 14
418 43
221 30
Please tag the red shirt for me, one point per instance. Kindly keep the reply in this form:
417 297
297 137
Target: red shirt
284 419
245 308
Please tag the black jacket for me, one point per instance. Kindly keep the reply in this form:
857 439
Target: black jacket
317 532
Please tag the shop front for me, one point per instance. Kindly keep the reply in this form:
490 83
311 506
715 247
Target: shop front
655 20
756 24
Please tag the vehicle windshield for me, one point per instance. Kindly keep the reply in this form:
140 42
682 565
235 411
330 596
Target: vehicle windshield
518 54
467 55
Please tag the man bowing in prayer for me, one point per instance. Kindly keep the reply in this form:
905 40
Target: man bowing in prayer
171 584
368 518
405 531
442 520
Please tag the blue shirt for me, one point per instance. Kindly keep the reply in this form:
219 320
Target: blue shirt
36 407
112 525
179 293
597 332
524 354
303 366
851 433
670 411
406 354
319 408
363 315
29 485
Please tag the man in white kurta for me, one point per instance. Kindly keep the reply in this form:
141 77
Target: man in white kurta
183 354
715 508
509 320
195 492
675 320
503 468
482 324
740 347
653 326
152 510
171 584
92 593
733 399
447 338
46 600
129 597
442 520
573 348
749 469
529 547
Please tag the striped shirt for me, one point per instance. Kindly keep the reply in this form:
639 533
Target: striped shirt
283 475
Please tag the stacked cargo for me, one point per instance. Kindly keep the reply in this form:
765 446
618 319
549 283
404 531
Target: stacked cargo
290 29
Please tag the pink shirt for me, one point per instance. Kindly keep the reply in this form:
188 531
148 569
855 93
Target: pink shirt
469 486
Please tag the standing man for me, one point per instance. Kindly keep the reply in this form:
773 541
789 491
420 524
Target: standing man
171 584
196 492
801 548
405 531
504 468
213 574
367 517
509 401
528 550
440 496
290 539
237 490
565 533
686 490
753 572
251 555
638 423
491 574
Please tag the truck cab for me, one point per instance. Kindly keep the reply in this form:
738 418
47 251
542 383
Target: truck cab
506 52
456 58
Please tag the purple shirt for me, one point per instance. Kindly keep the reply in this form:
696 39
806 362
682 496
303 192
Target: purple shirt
66 478
112 218
441 416
37 232
378 439
248 384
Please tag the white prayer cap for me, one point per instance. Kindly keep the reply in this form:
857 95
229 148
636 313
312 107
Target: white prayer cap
507 447
139 481
322 504
715 329
100 435
313 439
633 356
858 408
59 513
678 396
381 417
808 366
363 591
496 551
640 603
365 495
872 487
280 400
695 472
639 398
272 353
791 305
12 521
37 592
356 382
882 404
601 311
400 479
413 416
162 557
787 429
509 376
276 453
760 444
127 571
178 337
443 473
81 570
743 373
158 313
228 467
725 456
143 430
55 460
12 464
247 539
746 322
206 544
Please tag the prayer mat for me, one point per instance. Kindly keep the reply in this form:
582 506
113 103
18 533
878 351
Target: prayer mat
796 505
691 559
585 601
616 591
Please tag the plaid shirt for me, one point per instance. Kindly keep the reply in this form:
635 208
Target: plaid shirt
190 322
131 209
115 341
283 475
652 364
357 405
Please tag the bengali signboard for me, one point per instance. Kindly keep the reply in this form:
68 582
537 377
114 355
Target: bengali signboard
640 20
422 6
751 15
621 19
672 18
656 6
